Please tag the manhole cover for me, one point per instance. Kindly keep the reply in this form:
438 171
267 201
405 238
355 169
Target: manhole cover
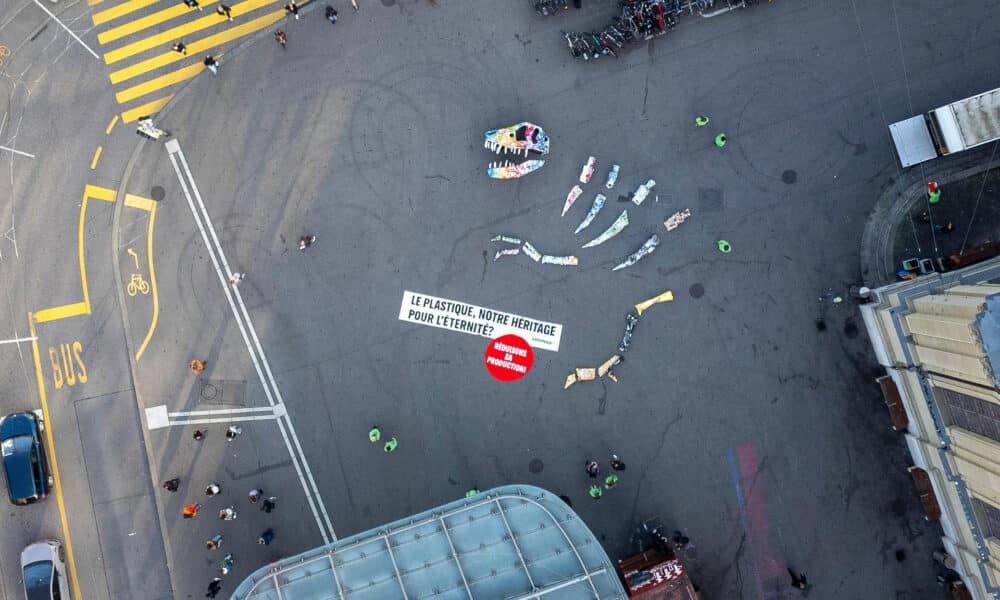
157 193
709 199
789 176
536 466
696 290
209 391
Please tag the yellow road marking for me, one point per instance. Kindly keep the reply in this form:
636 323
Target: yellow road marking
120 11
93 2
61 312
177 33
133 201
111 125
149 108
160 16
197 47
152 275
55 460
158 83
97 155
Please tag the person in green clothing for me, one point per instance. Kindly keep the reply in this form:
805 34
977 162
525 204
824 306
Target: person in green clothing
390 445
934 197
471 492
701 121
720 140
596 492
375 434
725 247
610 481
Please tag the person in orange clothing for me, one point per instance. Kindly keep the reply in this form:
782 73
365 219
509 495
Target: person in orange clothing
191 510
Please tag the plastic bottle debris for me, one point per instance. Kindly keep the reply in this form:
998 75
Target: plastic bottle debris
535 255
571 198
666 296
588 170
640 194
645 250
506 238
507 252
620 223
612 177
531 252
596 208
630 321
676 219
566 261
605 367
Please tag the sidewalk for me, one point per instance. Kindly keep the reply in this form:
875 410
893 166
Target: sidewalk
967 216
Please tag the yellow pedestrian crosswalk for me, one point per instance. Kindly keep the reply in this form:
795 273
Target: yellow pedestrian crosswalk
137 36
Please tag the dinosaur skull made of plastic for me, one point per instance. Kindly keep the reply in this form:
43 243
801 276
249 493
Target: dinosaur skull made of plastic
522 138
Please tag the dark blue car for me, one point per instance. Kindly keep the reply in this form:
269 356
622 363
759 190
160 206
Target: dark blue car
24 463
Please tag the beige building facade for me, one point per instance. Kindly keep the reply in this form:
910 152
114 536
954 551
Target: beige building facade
938 337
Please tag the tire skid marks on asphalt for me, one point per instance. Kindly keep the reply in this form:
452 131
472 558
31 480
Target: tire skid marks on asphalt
257 356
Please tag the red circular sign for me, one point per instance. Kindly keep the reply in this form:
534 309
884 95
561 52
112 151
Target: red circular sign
509 357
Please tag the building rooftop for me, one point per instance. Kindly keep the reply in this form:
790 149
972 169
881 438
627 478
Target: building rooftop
509 542
988 329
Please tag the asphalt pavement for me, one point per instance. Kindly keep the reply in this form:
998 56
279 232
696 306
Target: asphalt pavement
742 424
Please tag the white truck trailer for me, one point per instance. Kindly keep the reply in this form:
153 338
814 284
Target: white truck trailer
952 128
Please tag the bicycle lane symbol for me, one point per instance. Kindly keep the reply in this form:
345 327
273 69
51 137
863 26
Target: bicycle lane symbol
137 284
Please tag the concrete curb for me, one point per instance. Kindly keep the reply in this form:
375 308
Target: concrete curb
892 209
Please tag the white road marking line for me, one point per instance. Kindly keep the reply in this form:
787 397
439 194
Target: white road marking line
221 411
68 30
226 420
17 152
312 495
18 340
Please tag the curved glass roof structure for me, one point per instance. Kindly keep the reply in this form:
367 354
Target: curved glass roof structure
511 542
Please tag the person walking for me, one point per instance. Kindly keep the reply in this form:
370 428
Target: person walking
214 588
680 540
700 121
198 435
197 365
293 9
471 492
191 510
374 434
232 432
331 15
215 542
236 278
180 48
228 513
306 241
390 445
720 140
610 481
212 489
280 37
798 580
266 537
227 564
211 64
171 484
254 495
596 492
616 463
268 505
224 10
192 4
592 468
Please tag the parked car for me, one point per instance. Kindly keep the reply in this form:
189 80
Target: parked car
43 570
24 463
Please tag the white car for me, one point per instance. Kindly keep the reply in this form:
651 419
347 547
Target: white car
43 569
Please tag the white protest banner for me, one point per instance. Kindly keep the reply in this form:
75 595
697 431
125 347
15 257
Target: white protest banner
477 320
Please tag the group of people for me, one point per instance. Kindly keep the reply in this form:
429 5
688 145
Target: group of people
594 469
190 511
